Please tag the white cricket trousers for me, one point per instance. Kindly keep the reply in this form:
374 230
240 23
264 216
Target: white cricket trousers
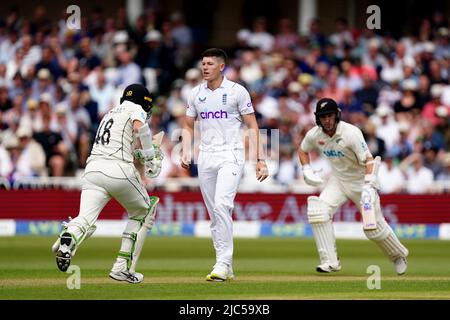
219 173
106 179
337 193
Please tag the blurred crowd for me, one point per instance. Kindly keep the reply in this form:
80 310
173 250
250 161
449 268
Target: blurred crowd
57 83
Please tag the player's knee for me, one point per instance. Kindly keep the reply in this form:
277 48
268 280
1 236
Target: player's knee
381 232
223 206
318 210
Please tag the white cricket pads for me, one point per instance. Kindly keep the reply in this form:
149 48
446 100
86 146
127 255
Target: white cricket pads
386 239
319 216
326 243
318 210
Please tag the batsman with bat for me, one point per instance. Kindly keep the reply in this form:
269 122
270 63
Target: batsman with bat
354 177
123 145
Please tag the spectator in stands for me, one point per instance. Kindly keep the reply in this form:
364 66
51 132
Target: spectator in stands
103 93
128 71
5 160
407 107
260 38
431 159
387 127
49 62
9 160
192 77
352 109
349 79
404 146
9 46
429 110
15 113
32 117
17 87
332 90
43 84
445 174
443 127
431 136
4 81
85 54
376 145
287 172
286 38
56 152
31 160
419 179
5 101
31 53
390 177
341 38
182 35
66 127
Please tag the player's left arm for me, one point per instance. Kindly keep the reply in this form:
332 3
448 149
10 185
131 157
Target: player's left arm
262 172
365 157
148 155
369 195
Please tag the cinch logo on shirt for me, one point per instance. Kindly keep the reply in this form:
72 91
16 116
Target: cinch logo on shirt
333 153
214 115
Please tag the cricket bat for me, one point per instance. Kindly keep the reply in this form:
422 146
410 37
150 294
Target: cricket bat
368 215
158 138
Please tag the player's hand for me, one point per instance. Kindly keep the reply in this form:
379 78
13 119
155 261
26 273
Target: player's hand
262 172
185 161
146 155
369 191
311 177
153 168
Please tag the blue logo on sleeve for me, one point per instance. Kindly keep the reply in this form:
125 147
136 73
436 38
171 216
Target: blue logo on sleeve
364 146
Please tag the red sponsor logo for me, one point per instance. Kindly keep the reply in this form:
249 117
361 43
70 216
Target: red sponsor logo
321 142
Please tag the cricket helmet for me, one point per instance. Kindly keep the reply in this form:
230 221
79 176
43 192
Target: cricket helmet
327 106
138 94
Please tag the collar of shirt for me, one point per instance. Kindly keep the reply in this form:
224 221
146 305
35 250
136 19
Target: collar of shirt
223 84
336 134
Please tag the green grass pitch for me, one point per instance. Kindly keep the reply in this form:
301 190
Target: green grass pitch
265 268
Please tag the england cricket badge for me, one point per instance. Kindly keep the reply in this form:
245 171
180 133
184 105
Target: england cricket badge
224 99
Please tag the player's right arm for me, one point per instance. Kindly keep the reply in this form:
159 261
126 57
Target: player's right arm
187 137
137 124
309 175
187 134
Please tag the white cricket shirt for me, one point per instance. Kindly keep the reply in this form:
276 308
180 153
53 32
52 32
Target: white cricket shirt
346 150
220 113
115 137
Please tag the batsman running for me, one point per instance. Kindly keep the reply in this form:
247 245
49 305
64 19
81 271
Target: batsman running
123 144
354 177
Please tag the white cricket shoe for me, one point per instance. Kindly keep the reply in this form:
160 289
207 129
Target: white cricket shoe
328 267
401 265
220 273
126 276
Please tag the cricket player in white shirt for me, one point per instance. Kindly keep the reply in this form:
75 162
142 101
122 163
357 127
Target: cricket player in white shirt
221 107
354 177
111 173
